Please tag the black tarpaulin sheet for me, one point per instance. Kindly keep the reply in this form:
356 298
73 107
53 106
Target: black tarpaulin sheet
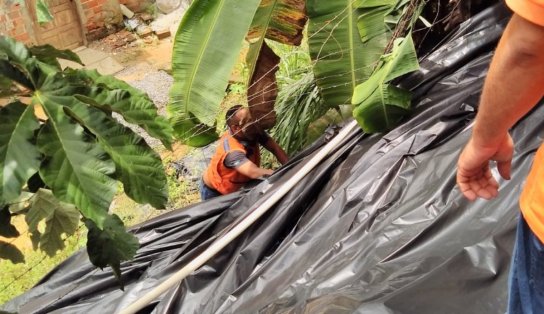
378 227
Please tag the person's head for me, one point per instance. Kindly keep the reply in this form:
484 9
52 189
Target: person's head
238 119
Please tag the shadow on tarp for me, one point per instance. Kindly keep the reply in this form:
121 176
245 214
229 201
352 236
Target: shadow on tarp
378 227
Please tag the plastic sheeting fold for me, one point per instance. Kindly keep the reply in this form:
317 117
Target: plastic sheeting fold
377 227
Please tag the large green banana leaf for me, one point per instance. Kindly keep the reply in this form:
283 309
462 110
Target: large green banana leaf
206 47
346 40
336 49
378 104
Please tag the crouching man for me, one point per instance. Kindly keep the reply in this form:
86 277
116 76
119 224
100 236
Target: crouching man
237 158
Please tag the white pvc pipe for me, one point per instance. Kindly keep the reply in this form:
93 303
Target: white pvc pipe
220 243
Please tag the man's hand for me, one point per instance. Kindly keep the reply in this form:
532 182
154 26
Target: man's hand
249 169
474 173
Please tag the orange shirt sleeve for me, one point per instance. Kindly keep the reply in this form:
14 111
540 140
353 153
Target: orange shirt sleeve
531 10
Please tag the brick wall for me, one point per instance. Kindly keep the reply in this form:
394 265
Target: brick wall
98 18
12 24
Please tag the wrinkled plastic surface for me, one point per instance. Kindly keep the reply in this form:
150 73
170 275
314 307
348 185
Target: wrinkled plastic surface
378 227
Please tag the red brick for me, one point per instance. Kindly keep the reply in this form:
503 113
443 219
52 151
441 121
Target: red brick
14 14
16 22
15 8
89 5
89 14
23 37
17 29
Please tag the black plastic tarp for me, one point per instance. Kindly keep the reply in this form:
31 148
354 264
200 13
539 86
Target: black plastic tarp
378 227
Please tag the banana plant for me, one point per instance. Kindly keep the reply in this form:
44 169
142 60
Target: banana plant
206 47
336 49
346 41
281 21
380 105
63 154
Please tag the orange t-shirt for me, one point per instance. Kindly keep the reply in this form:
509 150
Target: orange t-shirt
532 197
531 10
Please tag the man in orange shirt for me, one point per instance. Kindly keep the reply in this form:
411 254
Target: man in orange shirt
237 158
514 85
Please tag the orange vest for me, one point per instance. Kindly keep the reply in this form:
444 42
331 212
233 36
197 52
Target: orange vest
227 180
532 198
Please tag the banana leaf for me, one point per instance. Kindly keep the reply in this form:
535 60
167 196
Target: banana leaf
206 47
279 20
379 105
336 49
347 39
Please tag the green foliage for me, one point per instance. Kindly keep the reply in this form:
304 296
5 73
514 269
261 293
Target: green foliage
59 218
295 63
206 47
50 55
109 245
298 105
42 12
19 158
62 152
347 42
379 104
75 169
341 61
237 88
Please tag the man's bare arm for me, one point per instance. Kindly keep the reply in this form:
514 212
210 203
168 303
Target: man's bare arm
514 84
250 169
276 149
